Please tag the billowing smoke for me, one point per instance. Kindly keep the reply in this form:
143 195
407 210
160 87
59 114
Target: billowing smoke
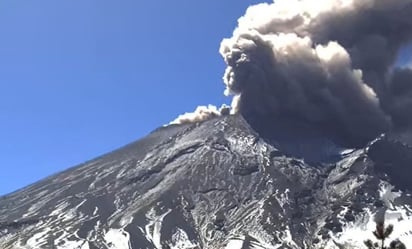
201 113
326 62
398 98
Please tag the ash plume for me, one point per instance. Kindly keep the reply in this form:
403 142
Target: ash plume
398 98
201 113
327 62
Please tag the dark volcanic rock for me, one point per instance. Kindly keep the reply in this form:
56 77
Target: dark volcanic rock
216 184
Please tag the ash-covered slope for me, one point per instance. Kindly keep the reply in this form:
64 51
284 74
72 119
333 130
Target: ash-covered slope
217 184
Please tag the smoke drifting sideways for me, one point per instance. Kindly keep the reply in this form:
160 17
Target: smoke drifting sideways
202 113
329 63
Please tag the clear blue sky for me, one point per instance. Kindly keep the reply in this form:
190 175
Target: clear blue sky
79 78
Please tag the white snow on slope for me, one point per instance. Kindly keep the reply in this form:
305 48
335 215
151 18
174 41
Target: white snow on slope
180 240
153 228
117 239
38 240
355 233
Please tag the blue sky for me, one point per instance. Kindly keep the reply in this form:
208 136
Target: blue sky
80 78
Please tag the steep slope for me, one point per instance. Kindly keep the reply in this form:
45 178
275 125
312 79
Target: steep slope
217 184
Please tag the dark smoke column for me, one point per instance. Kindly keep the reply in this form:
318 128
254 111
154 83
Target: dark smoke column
322 62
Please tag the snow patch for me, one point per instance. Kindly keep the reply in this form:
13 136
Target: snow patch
39 239
125 221
346 152
387 195
242 242
69 241
117 239
154 227
355 233
282 198
180 240
236 243
70 244
96 209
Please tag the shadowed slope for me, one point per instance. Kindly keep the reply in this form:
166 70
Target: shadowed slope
215 184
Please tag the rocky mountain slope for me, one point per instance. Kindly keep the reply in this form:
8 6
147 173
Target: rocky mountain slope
218 184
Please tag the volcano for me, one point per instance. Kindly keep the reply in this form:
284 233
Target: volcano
219 183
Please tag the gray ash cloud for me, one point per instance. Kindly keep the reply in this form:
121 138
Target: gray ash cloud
397 100
328 62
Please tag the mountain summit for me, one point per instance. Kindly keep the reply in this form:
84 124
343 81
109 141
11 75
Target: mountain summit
218 184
